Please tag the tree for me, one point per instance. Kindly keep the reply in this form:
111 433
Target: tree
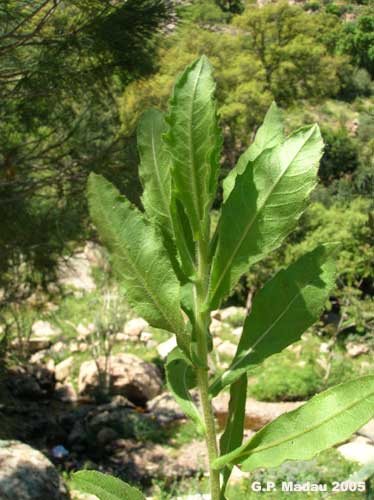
358 41
63 64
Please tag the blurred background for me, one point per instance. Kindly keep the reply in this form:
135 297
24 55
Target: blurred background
82 378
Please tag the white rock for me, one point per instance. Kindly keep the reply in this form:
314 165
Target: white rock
238 331
358 450
324 348
58 347
146 336
44 329
368 430
232 311
85 330
216 314
76 273
135 327
166 347
215 326
355 350
62 370
227 348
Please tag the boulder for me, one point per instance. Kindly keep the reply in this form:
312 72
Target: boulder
31 381
165 410
26 474
227 348
232 312
367 430
62 369
360 450
355 350
42 335
75 272
135 327
129 376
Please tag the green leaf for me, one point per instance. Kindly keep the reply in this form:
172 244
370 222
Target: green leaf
139 258
270 134
327 419
264 206
282 311
233 434
154 169
105 487
194 141
181 378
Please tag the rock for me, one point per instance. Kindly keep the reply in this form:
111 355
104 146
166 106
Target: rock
95 254
75 272
146 337
39 357
257 413
237 331
358 450
26 474
165 410
106 435
216 314
215 326
227 348
166 347
135 327
232 312
44 329
62 370
65 393
85 331
355 350
324 348
129 376
153 461
58 347
367 430
31 381
121 337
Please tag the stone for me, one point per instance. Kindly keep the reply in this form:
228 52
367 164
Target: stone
257 413
62 369
31 381
231 312
106 435
227 348
44 329
135 327
95 254
38 357
237 331
26 474
355 350
166 347
65 393
165 410
85 331
58 347
367 430
152 461
360 450
215 326
216 314
129 376
146 337
75 272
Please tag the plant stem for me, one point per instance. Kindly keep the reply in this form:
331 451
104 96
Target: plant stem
211 440
202 323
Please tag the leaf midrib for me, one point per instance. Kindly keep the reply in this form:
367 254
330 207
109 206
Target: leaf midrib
308 430
254 218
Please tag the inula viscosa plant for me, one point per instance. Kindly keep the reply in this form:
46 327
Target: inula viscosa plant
175 270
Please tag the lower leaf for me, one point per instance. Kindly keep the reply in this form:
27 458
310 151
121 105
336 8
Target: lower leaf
105 487
327 419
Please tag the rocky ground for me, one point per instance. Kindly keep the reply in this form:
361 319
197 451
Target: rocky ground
58 412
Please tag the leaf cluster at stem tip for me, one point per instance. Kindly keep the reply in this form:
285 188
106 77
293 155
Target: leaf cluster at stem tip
174 270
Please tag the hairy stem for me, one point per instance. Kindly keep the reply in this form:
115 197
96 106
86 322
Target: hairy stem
202 323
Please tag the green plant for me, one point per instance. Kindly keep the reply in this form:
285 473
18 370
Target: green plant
170 262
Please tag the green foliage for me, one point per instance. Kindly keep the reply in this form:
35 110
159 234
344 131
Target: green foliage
268 193
340 155
358 41
105 487
276 52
